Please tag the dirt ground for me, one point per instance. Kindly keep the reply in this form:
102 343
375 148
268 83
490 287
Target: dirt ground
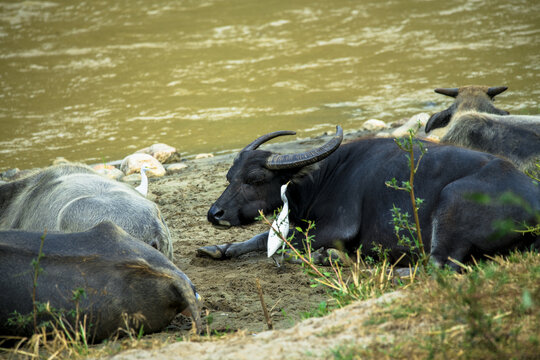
316 338
228 287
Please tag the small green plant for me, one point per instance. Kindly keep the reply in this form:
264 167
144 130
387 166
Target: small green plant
285 315
215 333
209 320
321 310
346 280
413 238
132 322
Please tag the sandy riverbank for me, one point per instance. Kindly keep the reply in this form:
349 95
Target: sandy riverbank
229 287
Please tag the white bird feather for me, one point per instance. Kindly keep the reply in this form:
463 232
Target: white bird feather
143 187
279 226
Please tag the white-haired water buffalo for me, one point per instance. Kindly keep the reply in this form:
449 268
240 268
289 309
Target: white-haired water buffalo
342 190
74 198
474 122
123 280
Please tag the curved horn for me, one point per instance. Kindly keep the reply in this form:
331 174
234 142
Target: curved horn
289 161
261 140
493 91
452 92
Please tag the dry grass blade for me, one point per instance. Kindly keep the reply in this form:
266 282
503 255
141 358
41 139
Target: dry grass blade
263 304
460 264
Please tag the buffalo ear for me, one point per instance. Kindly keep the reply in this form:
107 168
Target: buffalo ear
439 120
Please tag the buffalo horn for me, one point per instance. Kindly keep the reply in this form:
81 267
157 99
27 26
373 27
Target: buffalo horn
452 92
261 140
493 91
289 161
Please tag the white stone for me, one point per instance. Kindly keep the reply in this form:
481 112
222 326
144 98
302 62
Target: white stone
60 160
162 152
433 138
132 164
176 168
374 125
108 171
204 156
412 123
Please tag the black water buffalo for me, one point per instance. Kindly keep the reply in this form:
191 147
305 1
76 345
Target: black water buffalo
474 122
74 198
342 189
119 275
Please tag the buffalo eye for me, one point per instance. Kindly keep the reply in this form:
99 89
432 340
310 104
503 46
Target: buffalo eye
256 177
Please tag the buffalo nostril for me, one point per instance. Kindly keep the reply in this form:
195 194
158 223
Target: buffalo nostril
216 216
215 213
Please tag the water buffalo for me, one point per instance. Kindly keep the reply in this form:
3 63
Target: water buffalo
73 198
342 189
474 122
119 275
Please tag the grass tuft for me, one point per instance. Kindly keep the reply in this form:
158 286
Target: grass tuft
490 312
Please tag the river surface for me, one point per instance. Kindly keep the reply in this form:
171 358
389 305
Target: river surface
95 80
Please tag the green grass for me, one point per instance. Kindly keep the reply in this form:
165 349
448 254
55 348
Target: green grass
490 312
322 309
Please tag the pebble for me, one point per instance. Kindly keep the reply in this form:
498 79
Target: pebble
132 179
132 164
8 174
412 123
175 168
108 171
60 160
204 156
374 125
15 174
162 152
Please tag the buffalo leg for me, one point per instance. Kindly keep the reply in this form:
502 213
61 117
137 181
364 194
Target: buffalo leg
226 251
324 238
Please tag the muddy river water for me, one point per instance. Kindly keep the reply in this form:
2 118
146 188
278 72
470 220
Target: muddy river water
94 80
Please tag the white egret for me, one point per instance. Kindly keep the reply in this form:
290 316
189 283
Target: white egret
279 226
143 188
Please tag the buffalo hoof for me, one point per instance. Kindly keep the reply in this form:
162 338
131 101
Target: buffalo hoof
216 252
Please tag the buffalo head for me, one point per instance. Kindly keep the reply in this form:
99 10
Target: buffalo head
468 98
256 176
